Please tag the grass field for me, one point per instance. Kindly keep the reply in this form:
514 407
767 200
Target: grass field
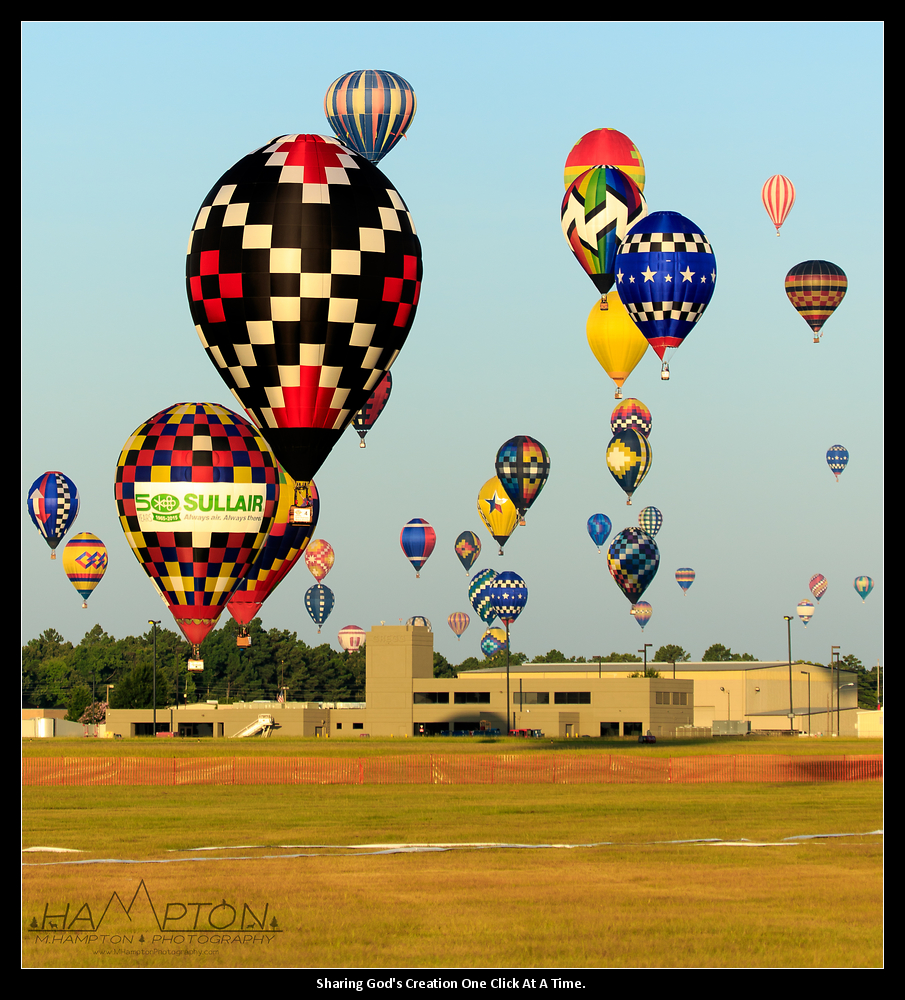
623 893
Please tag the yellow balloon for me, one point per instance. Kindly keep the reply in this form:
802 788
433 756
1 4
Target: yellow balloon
615 339
497 511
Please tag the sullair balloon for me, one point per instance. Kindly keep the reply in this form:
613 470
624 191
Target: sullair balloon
778 196
508 596
363 421
837 460
522 466
351 637
197 490
598 209
303 275
805 610
685 578
629 457
650 520
468 548
319 558
641 612
665 274
497 511
85 562
615 339
417 539
631 413
817 586
319 601
282 548
479 594
53 504
863 585
633 560
815 288
370 110
599 528
458 622
492 641
604 145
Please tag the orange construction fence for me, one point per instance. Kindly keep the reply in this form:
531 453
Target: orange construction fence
428 769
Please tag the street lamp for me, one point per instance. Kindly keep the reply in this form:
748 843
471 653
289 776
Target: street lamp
154 625
834 668
728 702
788 619
644 651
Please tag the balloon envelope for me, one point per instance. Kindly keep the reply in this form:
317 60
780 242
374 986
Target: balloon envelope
615 339
633 560
351 637
303 275
85 562
629 457
417 539
631 413
650 520
370 110
604 145
319 602
492 641
666 273
805 610
497 511
508 596
458 622
778 196
522 466
641 612
363 421
837 460
815 288
479 594
319 558
196 490
53 504
863 585
599 528
685 577
817 585
468 548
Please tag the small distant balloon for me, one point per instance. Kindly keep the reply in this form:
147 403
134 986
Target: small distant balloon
685 578
351 637
778 196
631 413
479 594
837 460
364 420
650 520
815 288
85 562
468 548
805 610
863 585
492 641
319 558
642 612
417 539
817 585
319 602
629 457
420 620
599 528
458 622
370 110
53 505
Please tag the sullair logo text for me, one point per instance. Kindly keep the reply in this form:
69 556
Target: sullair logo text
169 508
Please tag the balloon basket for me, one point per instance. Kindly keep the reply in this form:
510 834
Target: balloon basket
361 444
243 641
84 604
196 666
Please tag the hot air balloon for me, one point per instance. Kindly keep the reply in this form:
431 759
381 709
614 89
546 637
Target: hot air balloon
303 275
598 209
615 339
837 460
53 504
863 585
631 413
650 520
458 622
817 586
282 548
629 457
508 595
685 578
666 273
522 466
599 528
468 548
492 641
497 511
319 558
633 560
641 612
363 421
419 620
805 610
370 110
417 539
604 145
479 594
196 490
778 196
85 562
815 288
319 601
351 637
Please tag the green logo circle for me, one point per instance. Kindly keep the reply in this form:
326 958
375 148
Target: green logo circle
165 503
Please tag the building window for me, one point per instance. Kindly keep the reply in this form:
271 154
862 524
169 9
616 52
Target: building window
472 698
531 698
431 697
358 725
660 697
609 728
631 729
339 725
572 698
680 697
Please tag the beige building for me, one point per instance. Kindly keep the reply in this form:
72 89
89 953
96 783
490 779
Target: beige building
562 700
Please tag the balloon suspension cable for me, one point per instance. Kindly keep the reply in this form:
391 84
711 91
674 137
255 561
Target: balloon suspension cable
195 653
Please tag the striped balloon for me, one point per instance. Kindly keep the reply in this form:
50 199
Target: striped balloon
641 612
805 610
351 637
458 622
370 110
685 578
815 288
778 196
818 585
417 539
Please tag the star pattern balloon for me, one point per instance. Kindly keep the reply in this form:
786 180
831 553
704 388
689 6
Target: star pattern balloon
197 490
863 585
633 560
468 548
599 528
685 578
417 539
665 275
53 505
604 145
370 110
817 585
778 196
522 466
629 457
303 276
631 413
837 460
815 288
85 562
498 512
363 421
319 601
508 596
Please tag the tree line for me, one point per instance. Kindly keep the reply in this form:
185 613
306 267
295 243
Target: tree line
56 674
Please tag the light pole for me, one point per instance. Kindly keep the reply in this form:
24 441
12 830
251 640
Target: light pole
154 625
644 651
834 667
808 672
788 619
728 702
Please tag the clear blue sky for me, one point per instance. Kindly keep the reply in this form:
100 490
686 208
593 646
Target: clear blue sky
127 125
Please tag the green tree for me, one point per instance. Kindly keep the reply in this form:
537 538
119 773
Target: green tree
718 652
671 654
617 658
